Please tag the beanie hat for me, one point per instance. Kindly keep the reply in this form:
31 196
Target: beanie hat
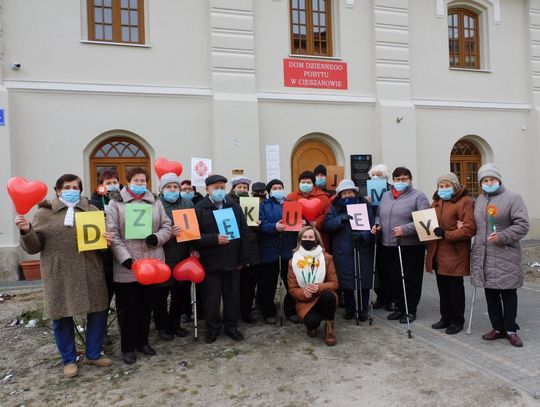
451 178
346 184
168 178
258 187
320 169
489 170
307 175
240 180
272 183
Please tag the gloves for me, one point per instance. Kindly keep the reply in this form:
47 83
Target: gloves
357 236
345 218
127 263
151 240
439 232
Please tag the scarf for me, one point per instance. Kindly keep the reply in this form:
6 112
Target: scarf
138 197
70 214
309 267
396 193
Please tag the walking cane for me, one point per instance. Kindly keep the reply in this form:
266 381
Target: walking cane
357 282
409 332
194 307
280 279
372 289
468 332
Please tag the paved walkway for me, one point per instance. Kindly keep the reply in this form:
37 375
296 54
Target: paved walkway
518 366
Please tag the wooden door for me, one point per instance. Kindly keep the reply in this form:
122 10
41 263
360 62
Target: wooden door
307 155
465 160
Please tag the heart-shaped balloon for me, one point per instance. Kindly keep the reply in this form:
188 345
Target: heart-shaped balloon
25 195
311 208
164 166
189 269
151 271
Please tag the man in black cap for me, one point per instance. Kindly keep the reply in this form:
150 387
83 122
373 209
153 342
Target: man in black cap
222 259
320 179
258 190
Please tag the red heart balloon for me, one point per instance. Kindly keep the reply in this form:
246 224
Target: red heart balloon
164 166
151 271
25 195
189 269
311 208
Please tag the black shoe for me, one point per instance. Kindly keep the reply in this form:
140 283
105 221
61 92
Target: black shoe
248 319
181 332
210 337
147 350
363 316
377 304
453 329
186 318
129 357
293 318
440 325
391 306
403 319
348 315
235 335
394 316
164 335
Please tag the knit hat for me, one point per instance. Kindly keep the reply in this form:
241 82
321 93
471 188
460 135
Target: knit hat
345 185
240 180
168 178
272 183
489 170
212 179
307 175
320 169
451 178
258 187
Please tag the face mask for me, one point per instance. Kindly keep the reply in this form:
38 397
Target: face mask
218 195
278 194
489 189
306 188
401 186
308 244
375 177
114 187
137 189
71 195
348 201
445 193
171 196
242 194
187 195
320 182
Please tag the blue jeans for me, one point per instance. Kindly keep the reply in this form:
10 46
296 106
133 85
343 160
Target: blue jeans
65 337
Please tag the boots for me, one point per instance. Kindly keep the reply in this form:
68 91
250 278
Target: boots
330 337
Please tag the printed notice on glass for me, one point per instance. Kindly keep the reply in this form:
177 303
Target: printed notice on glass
272 162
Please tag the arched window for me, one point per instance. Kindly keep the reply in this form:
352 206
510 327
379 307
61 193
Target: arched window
118 153
465 160
463 38
311 28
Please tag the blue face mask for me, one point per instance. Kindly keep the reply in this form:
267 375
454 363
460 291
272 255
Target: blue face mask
489 189
171 196
445 193
401 186
71 195
137 189
114 187
320 182
188 195
218 195
348 201
305 188
278 194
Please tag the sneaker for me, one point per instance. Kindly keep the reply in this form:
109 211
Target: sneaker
453 329
71 370
102 361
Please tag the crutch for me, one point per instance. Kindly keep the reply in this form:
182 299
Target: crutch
409 332
372 289
357 282
194 307
280 279
468 332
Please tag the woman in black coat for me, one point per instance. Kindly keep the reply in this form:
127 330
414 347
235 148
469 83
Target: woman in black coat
344 239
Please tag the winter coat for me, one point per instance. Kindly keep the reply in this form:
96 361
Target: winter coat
175 252
304 304
73 281
252 235
273 243
398 212
216 257
135 249
498 265
451 256
338 226
197 198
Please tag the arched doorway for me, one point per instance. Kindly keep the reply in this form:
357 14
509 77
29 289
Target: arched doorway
119 153
465 160
307 155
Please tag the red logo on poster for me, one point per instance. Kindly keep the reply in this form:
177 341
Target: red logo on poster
307 73
201 168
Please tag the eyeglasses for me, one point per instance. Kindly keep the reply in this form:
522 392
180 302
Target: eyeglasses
402 179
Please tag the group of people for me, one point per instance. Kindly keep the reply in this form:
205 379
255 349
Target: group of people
324 265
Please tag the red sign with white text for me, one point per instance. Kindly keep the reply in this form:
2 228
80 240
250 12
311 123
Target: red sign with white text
308 73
